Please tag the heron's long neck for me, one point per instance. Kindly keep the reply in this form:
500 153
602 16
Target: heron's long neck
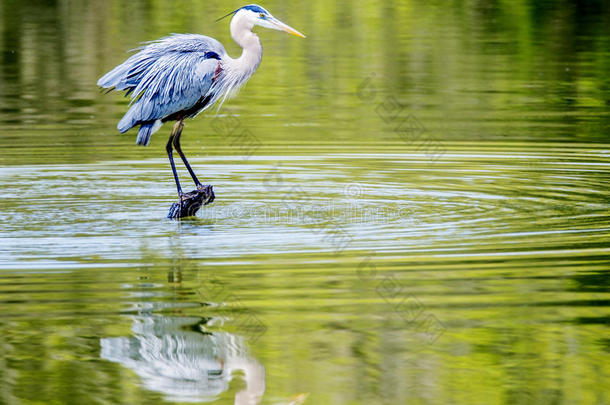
241 31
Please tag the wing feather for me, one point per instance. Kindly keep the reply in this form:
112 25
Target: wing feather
165 77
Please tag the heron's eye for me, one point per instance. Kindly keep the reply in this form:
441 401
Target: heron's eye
261 15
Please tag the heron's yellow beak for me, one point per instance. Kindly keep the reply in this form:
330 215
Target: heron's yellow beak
285 27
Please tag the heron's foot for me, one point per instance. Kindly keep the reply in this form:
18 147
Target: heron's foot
191 202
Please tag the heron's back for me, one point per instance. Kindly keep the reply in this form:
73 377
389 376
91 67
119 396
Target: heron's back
165 77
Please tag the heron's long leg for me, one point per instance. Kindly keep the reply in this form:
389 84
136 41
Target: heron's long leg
179 150
170 154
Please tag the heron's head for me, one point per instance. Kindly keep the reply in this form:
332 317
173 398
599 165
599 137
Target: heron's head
256 15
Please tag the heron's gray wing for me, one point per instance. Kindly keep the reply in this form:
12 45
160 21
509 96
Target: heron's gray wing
165 77
174 83
128 74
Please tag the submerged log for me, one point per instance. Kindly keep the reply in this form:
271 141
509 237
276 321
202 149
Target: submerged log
191 202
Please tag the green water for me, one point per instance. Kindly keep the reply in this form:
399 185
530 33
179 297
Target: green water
412 207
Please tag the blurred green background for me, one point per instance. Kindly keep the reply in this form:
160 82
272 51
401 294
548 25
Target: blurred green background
474 71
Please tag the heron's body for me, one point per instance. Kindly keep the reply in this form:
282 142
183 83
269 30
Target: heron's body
179 76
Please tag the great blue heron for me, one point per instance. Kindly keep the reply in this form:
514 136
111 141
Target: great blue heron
178 76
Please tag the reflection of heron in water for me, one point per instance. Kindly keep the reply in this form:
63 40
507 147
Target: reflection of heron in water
176 357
